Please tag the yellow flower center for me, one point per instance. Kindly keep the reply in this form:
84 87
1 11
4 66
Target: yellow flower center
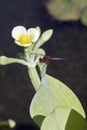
25 39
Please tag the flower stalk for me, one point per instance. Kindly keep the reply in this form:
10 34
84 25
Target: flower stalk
34 77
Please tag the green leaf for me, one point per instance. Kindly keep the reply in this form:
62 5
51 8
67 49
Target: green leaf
47 35
44 38
64 118
66 10
66 96
51 94
84 17
6 60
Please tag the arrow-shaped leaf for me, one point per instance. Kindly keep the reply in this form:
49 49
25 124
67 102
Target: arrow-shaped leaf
53 93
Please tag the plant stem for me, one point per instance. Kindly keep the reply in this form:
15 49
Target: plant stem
35 79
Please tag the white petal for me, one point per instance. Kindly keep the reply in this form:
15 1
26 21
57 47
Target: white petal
23 45
34 32
18 31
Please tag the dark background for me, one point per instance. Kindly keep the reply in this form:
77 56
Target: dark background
69 41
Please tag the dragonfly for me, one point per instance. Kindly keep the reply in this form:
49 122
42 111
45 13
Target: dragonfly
47 58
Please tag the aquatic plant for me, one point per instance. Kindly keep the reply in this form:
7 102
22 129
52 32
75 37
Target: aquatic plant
54 105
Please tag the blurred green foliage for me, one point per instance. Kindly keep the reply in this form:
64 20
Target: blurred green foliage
68 10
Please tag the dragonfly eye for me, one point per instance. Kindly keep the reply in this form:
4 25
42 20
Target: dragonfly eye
41 59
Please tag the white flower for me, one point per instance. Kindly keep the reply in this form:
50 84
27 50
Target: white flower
25 37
